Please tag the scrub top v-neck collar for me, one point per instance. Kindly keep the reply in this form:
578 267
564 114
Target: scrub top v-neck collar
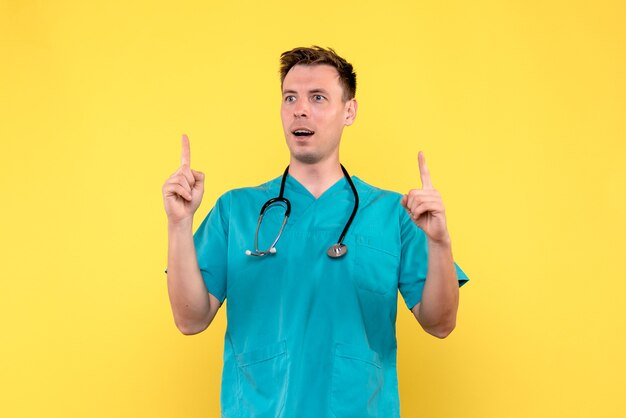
303 201
293 185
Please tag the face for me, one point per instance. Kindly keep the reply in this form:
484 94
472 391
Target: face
314 113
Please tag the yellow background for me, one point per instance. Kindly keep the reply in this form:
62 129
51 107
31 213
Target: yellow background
519 106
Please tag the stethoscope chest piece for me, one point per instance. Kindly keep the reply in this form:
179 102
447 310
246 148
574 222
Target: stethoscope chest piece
337 250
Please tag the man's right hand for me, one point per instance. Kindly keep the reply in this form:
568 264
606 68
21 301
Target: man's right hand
183 190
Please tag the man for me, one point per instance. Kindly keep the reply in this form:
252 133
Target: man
311 329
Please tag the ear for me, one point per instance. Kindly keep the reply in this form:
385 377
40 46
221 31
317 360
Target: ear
351 107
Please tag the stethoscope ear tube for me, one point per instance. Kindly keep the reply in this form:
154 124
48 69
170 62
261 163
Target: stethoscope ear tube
275 200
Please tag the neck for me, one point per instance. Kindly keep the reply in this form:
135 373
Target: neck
318 177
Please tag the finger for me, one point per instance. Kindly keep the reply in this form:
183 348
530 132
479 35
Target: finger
416 196
424 174
426 193
410 201
176 189
404 201
185 154
187 173
422 209
432 207
182 181
415 201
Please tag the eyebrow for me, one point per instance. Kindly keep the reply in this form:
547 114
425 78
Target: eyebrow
314 91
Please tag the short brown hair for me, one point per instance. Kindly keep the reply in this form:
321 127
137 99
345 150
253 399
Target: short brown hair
320 56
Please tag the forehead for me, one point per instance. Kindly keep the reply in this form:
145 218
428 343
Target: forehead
310 77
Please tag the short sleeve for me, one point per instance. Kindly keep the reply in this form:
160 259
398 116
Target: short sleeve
414 262
211 243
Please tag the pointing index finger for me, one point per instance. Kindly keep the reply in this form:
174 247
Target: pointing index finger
424 173
185 154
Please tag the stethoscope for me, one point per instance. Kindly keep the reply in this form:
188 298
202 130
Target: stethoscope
334 251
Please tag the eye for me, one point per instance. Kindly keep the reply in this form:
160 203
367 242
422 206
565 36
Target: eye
318 98
290 99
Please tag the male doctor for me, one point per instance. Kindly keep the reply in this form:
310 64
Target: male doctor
311 316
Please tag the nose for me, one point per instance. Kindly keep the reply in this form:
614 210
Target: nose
300 109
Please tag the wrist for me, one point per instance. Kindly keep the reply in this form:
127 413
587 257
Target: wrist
182 225
443 243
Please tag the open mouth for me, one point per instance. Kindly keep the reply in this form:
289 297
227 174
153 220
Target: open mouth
302 132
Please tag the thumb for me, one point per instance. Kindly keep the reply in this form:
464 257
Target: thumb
199 177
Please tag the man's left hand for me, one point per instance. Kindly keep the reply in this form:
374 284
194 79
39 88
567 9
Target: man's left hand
425 207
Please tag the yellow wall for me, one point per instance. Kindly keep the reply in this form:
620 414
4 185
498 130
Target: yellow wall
519 106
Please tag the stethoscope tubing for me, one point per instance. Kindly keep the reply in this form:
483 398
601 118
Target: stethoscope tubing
354 209
335 251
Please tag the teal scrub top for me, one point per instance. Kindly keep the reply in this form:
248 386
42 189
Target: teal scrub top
308 335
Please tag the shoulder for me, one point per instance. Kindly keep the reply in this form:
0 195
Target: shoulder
254 192
383 206
370 194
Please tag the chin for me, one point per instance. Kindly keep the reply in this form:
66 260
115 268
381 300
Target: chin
306 158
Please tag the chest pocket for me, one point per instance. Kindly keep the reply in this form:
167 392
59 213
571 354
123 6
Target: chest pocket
377 265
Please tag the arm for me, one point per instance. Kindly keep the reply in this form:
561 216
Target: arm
437 310
193 307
